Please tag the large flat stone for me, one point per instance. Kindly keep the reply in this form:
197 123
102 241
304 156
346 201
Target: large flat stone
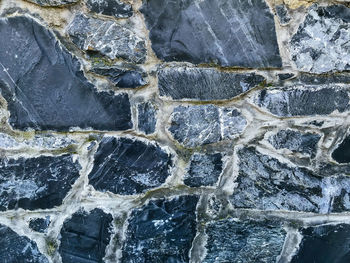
228 33
115 8
342 153
44 86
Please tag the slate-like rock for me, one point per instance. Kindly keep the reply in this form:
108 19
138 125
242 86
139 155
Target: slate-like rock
342 153
204 124
53 2
147 117
204 169
40 224
228 33
283 14
85 236
285 76
161 231
204 83
36 183
230 240
44 86
296 141
301 101
322 41
126 166
16 248
108 38
114 8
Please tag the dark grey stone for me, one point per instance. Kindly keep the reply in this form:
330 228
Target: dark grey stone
230 240
204 124
161 231
114 8
228 33
285 76
204 170
147 117
44 86
342 153
18 249
85 236
53 2
36 183
204 83
126 166
283 14
40 224
108 38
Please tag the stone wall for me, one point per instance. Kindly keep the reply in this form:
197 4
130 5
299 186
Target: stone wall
162 131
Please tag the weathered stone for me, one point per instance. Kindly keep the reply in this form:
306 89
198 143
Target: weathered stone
44 86
342 153
230 240
229 33
204 83
147 117
36 183
53 2
204 169
205 124
161 231
107 38
16 248
114 8
85 236
323 244
322 41
127 166
285 76
298 101
283 14
296 141
40 224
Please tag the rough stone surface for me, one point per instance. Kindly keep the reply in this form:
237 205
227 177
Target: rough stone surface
342 153
40 224
229 33
204 170
114 8
126 166
205 124
283 14
36 183
107 38
44 87
147 117
53 2
230 240
161 231
85 236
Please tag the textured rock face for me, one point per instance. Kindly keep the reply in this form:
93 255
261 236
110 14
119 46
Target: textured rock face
230 240
204 124
321 43
53 2
342 153
228 33
44 87
39 224
147 117
114 8
107 38
85 236
204 84
36 183
125 166
282 13
161 231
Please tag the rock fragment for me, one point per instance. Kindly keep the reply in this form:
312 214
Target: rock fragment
147 117
342 153
48 3
40 224
115 8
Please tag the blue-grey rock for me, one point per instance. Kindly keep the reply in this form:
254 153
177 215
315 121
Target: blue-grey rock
127 166
108 38
285 76
47 3
114 8
161 231
44 86
40 224
342 153
85 236
204 170
228 33
204 124
36 183
230 240
283 14
18 249
204 83
147 117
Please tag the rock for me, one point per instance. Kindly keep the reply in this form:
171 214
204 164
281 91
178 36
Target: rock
53 2
204 83
305 143
327 243
45 88
85 236
342 153
230 240
161 231
114 8
283 14
36 183
228 33
298 101
127 166
204 124
108 38
40 224
204 170
285 76
147 117
321 43
16 248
